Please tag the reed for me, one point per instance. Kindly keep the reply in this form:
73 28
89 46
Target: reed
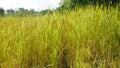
83 38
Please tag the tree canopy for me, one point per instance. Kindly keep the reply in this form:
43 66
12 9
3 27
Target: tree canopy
2 12
68 4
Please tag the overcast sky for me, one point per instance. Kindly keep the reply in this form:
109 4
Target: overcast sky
29 4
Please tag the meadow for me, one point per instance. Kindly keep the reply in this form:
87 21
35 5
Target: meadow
83 38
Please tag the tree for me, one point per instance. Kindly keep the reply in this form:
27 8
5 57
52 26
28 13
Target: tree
43 12
22 12
10 12
69 4
2 12
32 11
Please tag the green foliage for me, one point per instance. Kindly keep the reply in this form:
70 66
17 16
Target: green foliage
70 4
2 12
22 12
44 12
10 12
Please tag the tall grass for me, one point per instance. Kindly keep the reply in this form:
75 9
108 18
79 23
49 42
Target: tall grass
84 38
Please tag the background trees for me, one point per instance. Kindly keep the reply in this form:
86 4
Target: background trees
68 4
10 12
64 4
2 12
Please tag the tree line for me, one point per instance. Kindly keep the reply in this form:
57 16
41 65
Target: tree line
70 4
23 12
64 4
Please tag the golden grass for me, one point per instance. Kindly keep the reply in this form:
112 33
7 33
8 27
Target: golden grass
83 38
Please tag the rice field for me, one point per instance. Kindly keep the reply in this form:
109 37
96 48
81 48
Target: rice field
83 38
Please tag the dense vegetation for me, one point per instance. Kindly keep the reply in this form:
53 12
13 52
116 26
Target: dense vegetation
71 4
83 38
2 12
83 34
22 12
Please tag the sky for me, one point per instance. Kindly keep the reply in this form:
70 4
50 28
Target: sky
29 4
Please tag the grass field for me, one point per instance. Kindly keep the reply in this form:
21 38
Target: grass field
83 38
